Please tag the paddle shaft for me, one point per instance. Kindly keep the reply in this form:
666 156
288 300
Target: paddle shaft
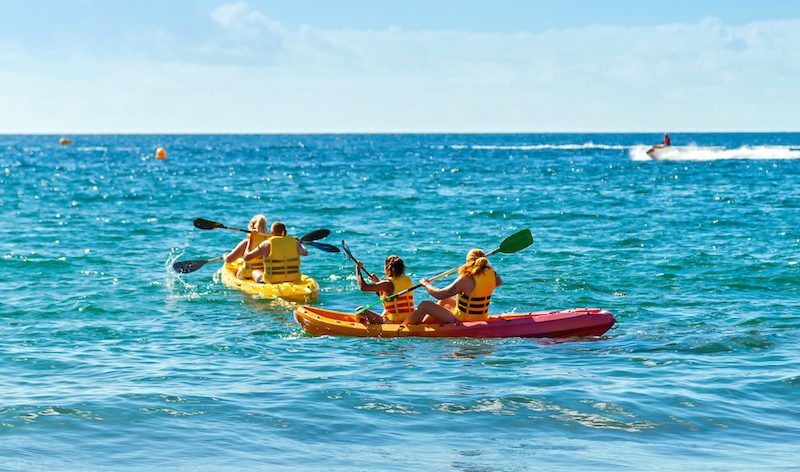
202 223
321 246
245 231
363 269
369 275
310 243
350 255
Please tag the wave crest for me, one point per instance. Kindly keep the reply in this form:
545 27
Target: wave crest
715 153
533 147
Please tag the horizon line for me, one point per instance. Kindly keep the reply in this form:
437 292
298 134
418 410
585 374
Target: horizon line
345 133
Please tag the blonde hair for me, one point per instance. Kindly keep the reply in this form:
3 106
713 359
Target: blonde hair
258 223
476 264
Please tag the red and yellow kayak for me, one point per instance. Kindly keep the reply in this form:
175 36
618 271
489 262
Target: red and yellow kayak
552 324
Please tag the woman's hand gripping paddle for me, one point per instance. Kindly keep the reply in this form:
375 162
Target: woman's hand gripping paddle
514 243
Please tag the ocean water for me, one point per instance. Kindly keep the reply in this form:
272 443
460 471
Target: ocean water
110 361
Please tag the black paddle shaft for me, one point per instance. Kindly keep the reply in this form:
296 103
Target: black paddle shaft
350 255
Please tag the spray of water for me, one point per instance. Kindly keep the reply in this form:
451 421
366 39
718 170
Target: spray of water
713 153
536 147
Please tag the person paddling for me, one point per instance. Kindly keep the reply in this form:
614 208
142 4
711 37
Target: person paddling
258 224
397 309
279 256
473 291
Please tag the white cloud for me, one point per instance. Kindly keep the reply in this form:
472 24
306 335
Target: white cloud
704 76
244 32
240 18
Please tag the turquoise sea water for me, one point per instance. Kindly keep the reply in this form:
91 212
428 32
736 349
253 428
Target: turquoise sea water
109 361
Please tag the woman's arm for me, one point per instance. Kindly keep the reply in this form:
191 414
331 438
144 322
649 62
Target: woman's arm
236 253
265 246
497 280
459 286
384 286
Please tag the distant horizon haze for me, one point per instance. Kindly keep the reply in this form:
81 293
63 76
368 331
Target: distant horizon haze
221 67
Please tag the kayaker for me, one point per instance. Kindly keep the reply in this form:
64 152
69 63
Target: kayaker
472 291
258 224
279 256
397 309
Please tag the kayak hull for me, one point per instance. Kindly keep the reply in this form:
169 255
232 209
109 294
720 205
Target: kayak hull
554 324
302 292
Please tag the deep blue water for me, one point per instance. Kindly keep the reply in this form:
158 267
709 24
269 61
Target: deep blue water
109 361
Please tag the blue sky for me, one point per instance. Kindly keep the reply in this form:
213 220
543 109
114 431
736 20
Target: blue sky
411 66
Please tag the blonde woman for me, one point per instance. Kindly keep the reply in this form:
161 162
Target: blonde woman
472 291
258 224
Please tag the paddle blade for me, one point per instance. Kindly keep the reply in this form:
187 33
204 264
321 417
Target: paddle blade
201 223
322 246
347 251
184 267
316 235
516 242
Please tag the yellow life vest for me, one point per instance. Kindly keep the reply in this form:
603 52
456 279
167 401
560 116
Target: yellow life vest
254 240
397 309
475 306
283 263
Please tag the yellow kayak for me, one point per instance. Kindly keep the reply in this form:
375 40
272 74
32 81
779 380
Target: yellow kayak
302 292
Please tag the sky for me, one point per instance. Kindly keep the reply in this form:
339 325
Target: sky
207 66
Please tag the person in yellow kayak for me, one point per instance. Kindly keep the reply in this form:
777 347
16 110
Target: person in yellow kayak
278 257
258 224
472 291
397 309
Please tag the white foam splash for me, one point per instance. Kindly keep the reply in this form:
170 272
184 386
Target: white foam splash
536 147
177 288
714 153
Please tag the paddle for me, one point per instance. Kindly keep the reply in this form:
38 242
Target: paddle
321 246
184 267
309 238
514 243
315 235
350 255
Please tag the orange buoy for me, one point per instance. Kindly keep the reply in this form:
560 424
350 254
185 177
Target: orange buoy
65 141
161 154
